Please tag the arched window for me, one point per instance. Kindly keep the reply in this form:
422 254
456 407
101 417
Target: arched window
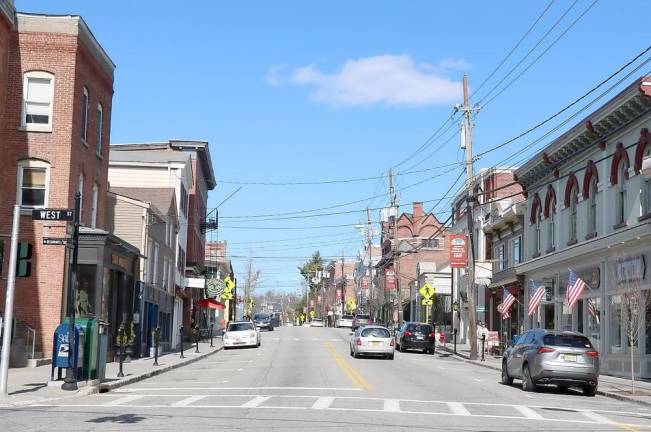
93 210
645 193
80 189
620 217
100 126
38 94
538 238
33 180
551 225
574 204
84 116
592 211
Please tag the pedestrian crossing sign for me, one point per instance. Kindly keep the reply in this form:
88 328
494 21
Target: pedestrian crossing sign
427 291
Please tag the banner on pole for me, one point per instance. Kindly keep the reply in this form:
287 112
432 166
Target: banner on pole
458 250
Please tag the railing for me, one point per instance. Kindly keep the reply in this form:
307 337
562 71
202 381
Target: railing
29 333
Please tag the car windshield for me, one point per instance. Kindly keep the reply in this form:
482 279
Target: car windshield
376 332
240 327
347 317
419 328
260 317
570 341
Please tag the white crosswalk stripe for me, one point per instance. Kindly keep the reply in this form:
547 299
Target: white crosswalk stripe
123 400
187 401
457 408
256 402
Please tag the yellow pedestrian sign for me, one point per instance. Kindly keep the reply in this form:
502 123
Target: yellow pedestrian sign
312 314
427 291
229 283
427 302
351 305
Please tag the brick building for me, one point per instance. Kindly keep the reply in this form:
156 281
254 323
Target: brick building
421 238
56 90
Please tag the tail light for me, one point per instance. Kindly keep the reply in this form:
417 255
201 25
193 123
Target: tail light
432 335
358 342
593 354
545 349
393 342
407 334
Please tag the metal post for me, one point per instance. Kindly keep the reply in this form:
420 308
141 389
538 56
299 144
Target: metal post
70 381
9 303
211 327
196 339
156 343
181 332
121 341
483 347
455 340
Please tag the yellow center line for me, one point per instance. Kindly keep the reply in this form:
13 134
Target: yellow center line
347 369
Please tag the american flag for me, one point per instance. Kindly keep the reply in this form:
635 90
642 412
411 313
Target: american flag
536 296
592 310
575 287
507 301
505 315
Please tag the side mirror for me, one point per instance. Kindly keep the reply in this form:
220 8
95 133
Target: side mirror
351 334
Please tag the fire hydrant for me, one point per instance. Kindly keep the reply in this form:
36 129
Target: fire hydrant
442 339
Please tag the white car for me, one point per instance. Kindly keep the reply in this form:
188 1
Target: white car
345 321
241 334
372 340
317 322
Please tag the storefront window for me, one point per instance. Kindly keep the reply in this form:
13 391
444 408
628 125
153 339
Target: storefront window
593 325
615 327
86 294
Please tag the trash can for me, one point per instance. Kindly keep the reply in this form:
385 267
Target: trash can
62 356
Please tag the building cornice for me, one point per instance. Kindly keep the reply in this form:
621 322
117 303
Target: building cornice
592 132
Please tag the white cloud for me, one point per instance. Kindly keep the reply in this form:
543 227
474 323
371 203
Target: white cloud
274 75
393 80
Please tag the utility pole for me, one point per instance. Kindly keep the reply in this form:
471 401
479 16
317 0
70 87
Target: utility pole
396 252
369 238
467 113
343 285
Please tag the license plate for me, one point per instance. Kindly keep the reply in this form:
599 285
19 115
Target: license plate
569 357
420 337
375 343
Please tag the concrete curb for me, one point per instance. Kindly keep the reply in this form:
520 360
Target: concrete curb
104 387
465 359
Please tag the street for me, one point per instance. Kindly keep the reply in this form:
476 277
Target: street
304 378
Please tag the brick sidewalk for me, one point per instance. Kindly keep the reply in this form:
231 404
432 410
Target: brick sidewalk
610 386
30 385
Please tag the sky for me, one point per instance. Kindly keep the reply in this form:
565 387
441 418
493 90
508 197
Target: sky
322 91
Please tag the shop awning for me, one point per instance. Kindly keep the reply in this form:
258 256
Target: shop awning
210 304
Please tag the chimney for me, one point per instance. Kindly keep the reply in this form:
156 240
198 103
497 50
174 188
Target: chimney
418 212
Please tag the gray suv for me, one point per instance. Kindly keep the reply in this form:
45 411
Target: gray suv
540 356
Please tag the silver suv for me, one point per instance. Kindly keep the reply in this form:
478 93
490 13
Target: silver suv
540 356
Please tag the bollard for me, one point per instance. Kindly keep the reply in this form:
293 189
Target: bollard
156 343
121 341
455 340
196 339
211 326
483 347
181 331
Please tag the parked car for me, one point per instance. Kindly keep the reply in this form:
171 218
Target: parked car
275 319
345 321
263 321
372 340
316 322
241 333
415 335
541 356
361 320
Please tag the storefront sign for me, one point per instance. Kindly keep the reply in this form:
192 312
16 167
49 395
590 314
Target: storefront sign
632 269
458 251
390 278
196 282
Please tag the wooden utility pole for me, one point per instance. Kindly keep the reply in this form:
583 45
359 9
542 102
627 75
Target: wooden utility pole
396 252
369 239
467 113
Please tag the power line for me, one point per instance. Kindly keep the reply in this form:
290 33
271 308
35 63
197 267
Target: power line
524 36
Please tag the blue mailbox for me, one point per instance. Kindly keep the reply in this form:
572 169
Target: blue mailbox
62 355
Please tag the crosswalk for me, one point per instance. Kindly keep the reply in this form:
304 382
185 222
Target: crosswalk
148 398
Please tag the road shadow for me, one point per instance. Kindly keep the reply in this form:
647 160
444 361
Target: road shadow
34 387
120 419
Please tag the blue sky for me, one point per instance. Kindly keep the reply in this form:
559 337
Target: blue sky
302 91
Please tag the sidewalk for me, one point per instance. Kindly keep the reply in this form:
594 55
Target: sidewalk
30 385
610 386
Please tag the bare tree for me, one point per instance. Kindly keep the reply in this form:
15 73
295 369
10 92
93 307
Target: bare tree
634 299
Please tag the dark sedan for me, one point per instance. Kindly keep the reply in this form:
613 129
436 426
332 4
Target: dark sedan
263 321
414 335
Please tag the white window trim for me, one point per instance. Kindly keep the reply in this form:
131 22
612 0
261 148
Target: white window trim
93 210
31 163
84 125
99 132
155 275
30 127
574 215
621 194
80 189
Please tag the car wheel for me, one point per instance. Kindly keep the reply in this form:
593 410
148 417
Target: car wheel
432 350
590 390
355 355
402 348
527 383
506 379
271 329
351 352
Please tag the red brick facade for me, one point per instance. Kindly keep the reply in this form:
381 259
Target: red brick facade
72 58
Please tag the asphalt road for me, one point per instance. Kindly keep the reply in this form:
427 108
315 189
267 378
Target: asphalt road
304 379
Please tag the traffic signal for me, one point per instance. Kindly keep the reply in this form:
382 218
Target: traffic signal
23 265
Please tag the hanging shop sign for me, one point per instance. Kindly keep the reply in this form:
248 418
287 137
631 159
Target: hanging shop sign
632 269
390 278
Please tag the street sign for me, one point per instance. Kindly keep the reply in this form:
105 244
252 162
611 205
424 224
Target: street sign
480 309
55 241
427 291
427 302
458 251
53 214
229 283
312 314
